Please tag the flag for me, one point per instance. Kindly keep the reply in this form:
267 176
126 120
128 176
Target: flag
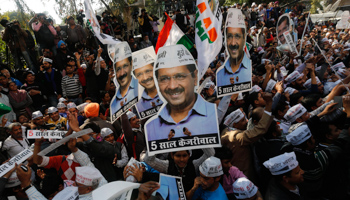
171 34
94 26
208 33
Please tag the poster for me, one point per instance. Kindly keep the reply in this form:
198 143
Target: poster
171 187
126 84
289 41
343 23
235 75
47 134
19 158
283 25
185 120
149 102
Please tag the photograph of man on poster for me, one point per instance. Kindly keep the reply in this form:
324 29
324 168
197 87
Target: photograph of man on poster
283 25
149 102
127 87
186 120
236 74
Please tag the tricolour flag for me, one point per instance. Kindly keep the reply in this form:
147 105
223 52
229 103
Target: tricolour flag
171 34
208 33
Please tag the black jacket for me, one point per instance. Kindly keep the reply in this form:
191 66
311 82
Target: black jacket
276 191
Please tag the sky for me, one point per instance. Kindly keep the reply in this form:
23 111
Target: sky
36 5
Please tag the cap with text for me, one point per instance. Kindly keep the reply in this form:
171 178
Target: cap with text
143 57
173 56
295 112
243 188
51 110
123 51
299 135
234 117
88 176
281 164
211 167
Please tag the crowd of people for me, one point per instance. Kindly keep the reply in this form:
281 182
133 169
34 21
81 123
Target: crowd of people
287 138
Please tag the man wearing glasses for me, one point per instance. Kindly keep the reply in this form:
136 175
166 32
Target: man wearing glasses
236 74
149 102
185 113
126 95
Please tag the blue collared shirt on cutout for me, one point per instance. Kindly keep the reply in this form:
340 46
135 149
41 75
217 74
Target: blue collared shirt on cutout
201 120
130 95
244 72
145 102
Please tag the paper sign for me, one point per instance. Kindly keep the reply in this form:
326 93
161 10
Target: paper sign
171 187
290 42
19 158
48 134
68 193
229 79
167 133
64 140
120 190
338 66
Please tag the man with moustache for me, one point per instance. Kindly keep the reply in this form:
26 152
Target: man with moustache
143 61
128 86
186 113
282 26
237 68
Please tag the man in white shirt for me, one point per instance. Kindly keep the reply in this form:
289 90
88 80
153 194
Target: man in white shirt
16 142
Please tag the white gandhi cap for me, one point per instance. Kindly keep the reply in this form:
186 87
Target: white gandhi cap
36 114
51 110
282 164
295 112
105 132
173 56
211 167
71 105
88 176
235 18
122 51
299 135
233 117
143 57
130 114
61 105
243 188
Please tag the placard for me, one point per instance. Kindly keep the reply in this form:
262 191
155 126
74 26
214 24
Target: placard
47 134
171 187
194 124
149 101
289 41
19 158
235 75
126 95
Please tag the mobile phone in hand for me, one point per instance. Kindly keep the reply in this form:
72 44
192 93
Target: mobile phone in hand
339 100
